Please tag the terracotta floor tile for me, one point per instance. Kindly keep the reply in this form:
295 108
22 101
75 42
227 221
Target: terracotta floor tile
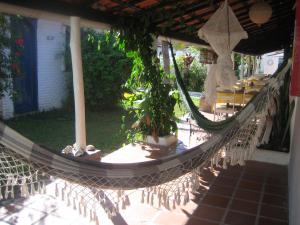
276 190
207 177
274 212
167 218
215 200
250 185
247 195
221 190
50 220
255 171
207 212
24 217
253 177
269 167
243 206
234 218
276 181
187 209
275 200
195 221
226 181
267 221
9 209
147 211
232 171
256 164
197 196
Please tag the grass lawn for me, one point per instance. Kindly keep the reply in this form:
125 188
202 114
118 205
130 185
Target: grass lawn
180 109
56 129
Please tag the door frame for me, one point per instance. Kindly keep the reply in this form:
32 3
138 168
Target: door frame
32 24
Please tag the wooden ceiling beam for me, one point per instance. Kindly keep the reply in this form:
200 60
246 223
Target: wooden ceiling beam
242 16
198 25
207 14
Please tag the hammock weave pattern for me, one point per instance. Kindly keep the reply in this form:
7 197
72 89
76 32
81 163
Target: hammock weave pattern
26 166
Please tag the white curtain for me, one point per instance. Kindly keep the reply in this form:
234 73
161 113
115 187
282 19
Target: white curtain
223 32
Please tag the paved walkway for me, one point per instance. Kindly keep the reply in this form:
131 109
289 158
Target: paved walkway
252 195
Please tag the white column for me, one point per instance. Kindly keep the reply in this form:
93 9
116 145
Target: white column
166 57
78 87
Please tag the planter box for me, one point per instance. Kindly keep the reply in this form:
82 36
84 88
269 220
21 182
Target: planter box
162 141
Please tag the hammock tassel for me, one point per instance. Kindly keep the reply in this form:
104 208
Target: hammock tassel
24 189
43 187
1 196
117 207
187 184
148 197
123 204
143 197
8 184
127 201
224 163
174 203
91 216
186 198
212 165
63 194
178 197
152 199
32 189
96 219
167 205
39 188
159 199
119 194
68 200
74 203
84 210
79 209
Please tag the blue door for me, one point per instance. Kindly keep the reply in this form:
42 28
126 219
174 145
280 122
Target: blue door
25 79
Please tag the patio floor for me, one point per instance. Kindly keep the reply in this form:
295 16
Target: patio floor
255 194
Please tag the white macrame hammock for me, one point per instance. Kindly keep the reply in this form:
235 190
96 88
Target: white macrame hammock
223 32
167 182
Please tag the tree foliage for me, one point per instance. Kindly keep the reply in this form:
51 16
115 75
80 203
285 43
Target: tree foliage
196 72
150 96
105 69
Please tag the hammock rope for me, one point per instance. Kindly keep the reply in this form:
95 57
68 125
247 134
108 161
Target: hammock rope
26 166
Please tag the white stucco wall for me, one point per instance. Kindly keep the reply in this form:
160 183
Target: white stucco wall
294 167
51 78
269 62
50 75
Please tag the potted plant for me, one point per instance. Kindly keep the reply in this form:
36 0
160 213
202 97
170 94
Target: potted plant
150 97
153 107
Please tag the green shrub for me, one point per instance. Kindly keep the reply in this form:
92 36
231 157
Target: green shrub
196 74
105 69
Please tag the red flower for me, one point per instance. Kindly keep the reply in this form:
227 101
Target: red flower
18 54
14 66
20 41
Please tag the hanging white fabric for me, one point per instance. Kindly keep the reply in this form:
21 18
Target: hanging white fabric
223 32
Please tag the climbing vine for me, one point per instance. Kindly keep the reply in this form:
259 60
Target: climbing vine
5 59
150 97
